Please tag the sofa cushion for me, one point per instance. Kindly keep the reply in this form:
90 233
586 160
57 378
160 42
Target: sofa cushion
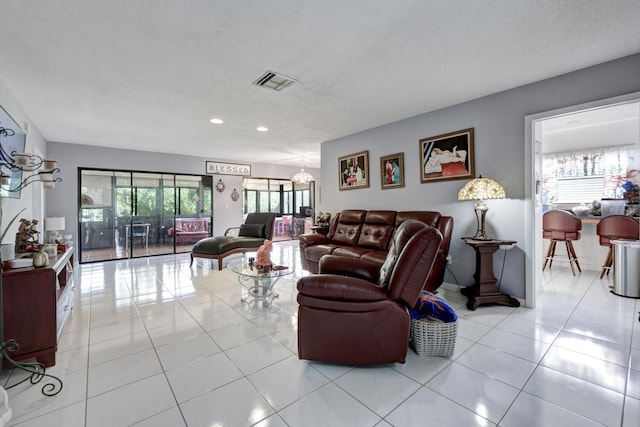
352 216
314 253
251 230
381 217
347 234
347 230
428 217
350 251
376 257
375 236
377 230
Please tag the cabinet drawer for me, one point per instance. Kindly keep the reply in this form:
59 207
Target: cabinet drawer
64 307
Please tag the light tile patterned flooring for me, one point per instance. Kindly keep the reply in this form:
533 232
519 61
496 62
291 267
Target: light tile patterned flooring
152 342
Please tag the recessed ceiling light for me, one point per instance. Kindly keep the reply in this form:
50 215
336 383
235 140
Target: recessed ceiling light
217 121
261 129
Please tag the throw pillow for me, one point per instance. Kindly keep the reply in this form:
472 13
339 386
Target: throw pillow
251 230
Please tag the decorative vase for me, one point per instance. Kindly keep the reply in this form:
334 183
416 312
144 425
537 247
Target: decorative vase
40 258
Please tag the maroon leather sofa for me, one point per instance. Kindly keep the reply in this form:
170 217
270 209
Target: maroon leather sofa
349 313
366 234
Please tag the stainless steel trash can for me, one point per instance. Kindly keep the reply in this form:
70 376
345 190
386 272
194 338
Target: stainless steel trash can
626 268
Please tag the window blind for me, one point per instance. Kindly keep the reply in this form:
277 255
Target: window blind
580 190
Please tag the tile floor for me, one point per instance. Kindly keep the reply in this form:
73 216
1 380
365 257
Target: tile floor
152 342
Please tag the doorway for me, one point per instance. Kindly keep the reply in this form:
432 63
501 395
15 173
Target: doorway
534 203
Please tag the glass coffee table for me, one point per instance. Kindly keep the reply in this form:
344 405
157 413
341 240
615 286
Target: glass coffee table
259 282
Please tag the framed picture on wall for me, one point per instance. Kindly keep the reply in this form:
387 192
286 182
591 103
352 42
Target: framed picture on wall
353 171
448 156
392 171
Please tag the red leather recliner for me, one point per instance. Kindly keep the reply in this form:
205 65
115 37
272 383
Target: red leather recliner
356 312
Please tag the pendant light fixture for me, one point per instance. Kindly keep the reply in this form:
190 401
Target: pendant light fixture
302 177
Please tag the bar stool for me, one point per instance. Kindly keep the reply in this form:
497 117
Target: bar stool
615 227
561 226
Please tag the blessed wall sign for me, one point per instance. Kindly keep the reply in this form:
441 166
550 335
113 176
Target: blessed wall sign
219 168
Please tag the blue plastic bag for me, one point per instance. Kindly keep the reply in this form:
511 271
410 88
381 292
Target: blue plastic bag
433 307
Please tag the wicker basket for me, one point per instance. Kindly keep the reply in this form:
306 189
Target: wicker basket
431 338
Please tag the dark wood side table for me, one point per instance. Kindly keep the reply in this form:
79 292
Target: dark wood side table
484 290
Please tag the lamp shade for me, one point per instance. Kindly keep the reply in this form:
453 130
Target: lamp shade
54 224
481 189
302 177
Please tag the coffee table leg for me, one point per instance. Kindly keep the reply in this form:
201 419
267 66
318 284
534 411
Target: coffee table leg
251 290
268 293
260 290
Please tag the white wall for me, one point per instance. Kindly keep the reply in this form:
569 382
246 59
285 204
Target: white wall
498 121
32 195
227 213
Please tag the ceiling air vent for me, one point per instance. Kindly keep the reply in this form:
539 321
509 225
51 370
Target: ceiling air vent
274 81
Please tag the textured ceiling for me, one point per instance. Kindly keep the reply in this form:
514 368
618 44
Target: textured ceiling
149 74
609 126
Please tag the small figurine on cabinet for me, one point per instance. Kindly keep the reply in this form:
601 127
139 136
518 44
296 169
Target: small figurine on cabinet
27 237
